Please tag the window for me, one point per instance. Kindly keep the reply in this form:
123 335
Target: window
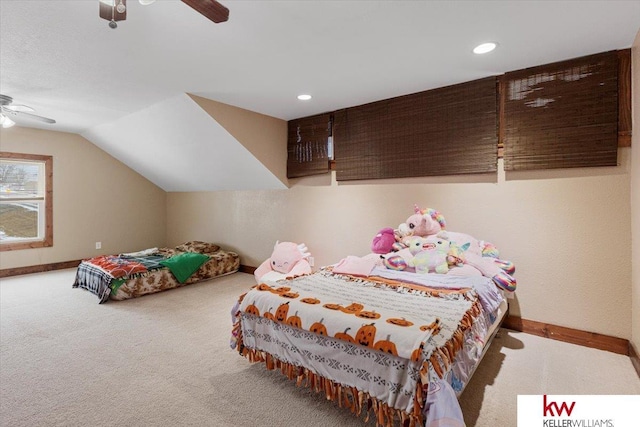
26 206
445 131
308 146
562 115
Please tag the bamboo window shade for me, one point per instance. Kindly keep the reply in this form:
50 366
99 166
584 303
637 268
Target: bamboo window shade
307 145
562 115
445 131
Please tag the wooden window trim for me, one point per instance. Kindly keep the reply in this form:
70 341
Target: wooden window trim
48 203
624 98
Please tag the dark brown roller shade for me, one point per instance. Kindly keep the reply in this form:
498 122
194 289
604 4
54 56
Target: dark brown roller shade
446 131
307 145
562 115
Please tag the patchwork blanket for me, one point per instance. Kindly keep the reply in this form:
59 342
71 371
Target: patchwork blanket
118 266
422 326
104 274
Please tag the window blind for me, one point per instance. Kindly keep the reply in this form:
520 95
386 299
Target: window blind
562 115
307 145
445 131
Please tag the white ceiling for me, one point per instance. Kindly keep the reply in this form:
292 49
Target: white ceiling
60 58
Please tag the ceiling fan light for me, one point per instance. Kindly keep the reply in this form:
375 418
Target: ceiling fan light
146 2
7 122
304 97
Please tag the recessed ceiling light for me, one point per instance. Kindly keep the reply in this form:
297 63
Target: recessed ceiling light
485 48
304 97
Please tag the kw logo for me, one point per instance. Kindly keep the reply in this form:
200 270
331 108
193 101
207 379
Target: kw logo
547 408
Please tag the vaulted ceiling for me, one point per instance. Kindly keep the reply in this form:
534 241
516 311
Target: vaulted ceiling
126 89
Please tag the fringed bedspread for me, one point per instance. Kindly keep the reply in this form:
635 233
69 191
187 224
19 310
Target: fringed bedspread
368 345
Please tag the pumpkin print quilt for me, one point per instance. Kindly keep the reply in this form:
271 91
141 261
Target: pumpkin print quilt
400 320
415 329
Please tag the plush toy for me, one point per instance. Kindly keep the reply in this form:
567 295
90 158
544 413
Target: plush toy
455 257
464 251
429 222
423 223
483 257
394 262
498 270
402 257
429 254
383 241
287 260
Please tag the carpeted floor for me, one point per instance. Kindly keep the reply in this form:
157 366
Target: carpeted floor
164 360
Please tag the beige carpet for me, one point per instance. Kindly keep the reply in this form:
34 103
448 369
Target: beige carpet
164 360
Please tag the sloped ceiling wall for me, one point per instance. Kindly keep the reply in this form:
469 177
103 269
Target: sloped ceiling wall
178 146
264 136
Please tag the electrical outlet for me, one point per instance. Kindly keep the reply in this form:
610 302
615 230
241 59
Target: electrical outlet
310 259
98 245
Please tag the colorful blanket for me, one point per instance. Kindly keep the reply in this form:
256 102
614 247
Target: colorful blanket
103 275
118 266
183 265
408 322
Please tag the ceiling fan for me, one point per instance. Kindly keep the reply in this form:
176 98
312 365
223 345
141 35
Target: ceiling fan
8 108
116 10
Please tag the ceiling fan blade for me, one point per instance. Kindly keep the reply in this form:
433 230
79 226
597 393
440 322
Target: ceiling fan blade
211 9
17 107
109 11
33 116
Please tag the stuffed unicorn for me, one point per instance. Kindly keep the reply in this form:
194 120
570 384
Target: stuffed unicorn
423 223
287 260
480 255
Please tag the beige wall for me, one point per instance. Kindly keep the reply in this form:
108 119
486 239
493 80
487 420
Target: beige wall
265 138
635 194
568 231
95 198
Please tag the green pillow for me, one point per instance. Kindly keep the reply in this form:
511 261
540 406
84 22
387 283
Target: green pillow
185 264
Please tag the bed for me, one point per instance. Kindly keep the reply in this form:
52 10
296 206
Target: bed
130 275
396 346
